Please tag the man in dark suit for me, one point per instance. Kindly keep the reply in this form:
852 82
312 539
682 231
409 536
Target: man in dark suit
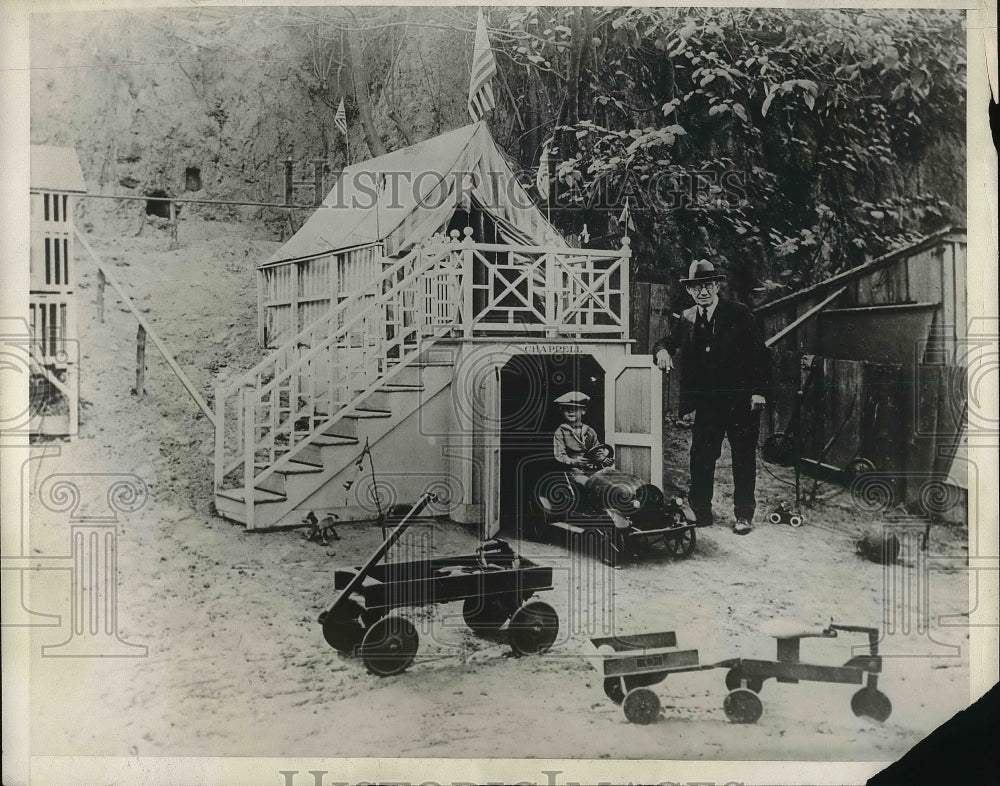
725 378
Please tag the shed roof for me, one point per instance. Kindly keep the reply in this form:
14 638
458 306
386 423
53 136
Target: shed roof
423 185
56 169
849 275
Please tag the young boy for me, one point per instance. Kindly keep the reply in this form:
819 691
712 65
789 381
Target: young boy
574 439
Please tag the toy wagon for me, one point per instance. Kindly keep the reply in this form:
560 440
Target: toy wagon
495 586
746 677
645 515
631 664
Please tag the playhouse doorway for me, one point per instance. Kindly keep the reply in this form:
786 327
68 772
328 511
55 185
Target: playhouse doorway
528 418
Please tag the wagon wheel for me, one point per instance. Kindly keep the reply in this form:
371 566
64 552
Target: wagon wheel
389 646
533 628
871 703
682 545
641 706
858 466
795 520
734 676
342 630
487 614
614 689
743 706
774 518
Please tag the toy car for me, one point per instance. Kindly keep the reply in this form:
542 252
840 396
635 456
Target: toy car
783 514
618 511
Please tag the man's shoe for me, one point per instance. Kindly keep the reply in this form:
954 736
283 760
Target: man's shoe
742 526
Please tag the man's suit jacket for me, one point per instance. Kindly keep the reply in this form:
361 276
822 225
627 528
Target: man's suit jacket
731 365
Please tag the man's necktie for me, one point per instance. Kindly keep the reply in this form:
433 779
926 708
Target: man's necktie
701 328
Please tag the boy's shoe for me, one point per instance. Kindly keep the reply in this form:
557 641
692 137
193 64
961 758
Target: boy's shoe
742 526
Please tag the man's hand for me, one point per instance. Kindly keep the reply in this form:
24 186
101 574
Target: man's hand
757 403
663 361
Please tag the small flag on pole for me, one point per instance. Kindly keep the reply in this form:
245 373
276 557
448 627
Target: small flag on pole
625 219
484 66
542 176
340 119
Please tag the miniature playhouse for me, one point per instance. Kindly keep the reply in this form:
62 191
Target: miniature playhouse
429 310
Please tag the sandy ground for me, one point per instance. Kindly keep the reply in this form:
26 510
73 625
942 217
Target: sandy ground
236 663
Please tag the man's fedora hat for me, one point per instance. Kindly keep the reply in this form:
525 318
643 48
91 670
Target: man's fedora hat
702 270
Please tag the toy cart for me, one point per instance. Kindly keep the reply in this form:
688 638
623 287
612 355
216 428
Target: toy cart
631 664
494 584
745 677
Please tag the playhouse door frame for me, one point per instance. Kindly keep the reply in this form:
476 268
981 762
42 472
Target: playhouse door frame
490 420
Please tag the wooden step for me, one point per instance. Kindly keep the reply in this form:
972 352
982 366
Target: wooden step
369 413
260 496
299 468
394 387
332 440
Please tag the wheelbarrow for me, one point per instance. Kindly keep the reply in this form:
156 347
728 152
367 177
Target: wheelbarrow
746 677
495 586
630 665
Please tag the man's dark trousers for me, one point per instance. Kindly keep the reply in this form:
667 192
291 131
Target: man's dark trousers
715 419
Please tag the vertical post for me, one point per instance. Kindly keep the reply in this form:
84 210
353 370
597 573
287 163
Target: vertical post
220 434
173 226
468 264
293 298
626 274
247 404
288 182
140 362
261 282
101 283
73 385
552 315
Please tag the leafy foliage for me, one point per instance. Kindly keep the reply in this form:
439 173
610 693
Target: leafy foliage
786 144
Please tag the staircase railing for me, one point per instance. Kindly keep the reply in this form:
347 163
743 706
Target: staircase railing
267 416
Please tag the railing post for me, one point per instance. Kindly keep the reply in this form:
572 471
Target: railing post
468 262
247 403
626 274
220 434
551 295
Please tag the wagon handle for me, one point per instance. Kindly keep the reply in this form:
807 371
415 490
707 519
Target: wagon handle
425 499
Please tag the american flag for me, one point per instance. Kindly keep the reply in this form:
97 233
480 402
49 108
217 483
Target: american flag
484 66
340 119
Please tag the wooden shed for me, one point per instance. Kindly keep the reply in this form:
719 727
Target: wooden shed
55 179
888 340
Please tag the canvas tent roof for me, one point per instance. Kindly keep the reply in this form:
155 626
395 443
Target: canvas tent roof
56 169
421 187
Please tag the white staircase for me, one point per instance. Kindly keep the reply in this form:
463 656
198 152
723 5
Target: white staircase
294 421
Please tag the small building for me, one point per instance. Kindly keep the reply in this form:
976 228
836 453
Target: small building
888 345
429 311
55 179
